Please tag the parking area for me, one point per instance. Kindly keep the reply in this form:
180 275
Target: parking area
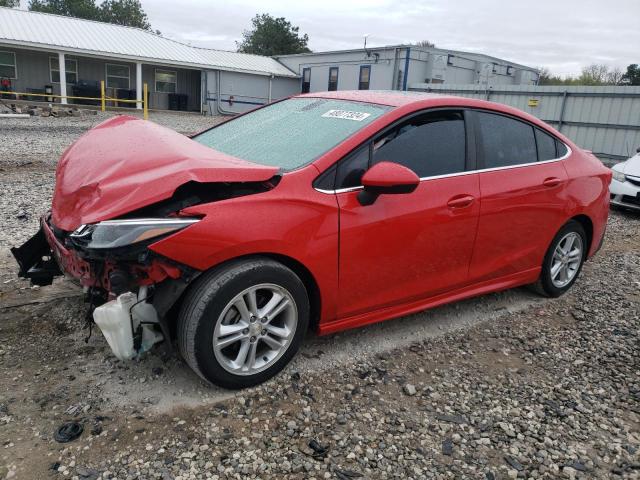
507 385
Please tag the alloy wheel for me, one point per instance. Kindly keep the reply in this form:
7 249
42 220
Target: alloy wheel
255 329
566 259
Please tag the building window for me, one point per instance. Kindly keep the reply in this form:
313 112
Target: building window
117 76
70 66
8 65
166 81
365 75
306 80
333 79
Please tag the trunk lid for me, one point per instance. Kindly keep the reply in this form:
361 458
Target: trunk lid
126 163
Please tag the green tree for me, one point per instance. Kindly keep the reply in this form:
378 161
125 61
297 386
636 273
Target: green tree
547 78
272 36
425 43
632 77
120 12
10 3
124 12
69 8
594 75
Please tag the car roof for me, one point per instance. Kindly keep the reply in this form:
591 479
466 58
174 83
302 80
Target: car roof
393 98
409 101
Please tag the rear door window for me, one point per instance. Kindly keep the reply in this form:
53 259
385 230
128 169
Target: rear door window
505 141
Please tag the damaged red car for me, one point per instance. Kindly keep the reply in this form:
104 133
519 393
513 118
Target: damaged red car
324 211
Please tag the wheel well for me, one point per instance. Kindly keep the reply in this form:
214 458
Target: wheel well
309 283
298 268
587 224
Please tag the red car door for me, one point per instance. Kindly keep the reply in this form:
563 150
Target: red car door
523 201
406 247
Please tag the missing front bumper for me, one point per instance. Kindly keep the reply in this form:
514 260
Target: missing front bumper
36 260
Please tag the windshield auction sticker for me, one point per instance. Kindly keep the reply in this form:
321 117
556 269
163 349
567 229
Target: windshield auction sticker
346 115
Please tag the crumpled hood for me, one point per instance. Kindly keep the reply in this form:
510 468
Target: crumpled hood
126 163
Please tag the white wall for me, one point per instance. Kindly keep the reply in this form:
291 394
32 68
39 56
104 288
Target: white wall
348 64
240 92
426 65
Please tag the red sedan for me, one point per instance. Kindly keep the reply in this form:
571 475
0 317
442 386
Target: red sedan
325 211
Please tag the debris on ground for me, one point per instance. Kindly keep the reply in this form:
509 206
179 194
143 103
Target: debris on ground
68 432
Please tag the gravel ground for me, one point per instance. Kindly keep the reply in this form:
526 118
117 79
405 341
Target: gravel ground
505 386
43 139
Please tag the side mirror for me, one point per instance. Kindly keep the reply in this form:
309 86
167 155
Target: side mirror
386 178
638 150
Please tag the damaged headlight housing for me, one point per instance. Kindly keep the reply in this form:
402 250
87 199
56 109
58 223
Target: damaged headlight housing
121 233
619 176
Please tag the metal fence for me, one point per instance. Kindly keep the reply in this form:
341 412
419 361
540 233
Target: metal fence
605 120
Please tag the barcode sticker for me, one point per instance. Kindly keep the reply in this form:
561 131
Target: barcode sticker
346 115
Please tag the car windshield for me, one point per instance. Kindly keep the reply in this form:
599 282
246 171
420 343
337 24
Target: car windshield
291 133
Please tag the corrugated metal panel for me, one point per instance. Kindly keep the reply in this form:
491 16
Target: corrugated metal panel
605 120
34 29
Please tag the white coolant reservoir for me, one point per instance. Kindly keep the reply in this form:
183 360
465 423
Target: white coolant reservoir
114 319
115 323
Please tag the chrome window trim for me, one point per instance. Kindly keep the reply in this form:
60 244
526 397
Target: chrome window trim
459 174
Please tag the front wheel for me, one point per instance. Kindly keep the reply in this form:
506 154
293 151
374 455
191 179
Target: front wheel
242 323
563 261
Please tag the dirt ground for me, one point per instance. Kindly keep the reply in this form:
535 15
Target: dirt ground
508 385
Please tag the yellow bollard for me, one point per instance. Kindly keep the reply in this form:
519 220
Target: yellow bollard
145 101
102 96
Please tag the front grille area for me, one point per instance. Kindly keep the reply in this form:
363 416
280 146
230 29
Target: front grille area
631 200
634 180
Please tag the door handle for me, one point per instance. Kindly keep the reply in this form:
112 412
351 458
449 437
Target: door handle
460 201
551 182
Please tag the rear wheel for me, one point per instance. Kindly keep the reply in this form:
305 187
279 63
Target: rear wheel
563 261
242 323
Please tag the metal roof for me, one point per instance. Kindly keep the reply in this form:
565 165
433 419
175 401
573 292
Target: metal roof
73 35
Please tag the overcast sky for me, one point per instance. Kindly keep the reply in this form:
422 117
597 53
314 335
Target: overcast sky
563 35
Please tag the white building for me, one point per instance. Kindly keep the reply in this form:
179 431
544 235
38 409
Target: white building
399 67
38 49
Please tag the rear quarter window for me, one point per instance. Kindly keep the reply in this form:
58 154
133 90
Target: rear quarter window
561 149
546 146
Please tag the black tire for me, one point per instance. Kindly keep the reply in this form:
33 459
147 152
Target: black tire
545 286
206 301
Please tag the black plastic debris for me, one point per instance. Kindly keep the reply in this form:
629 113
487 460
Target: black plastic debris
68 432
514 463
457 419
447 447
314 449
346 474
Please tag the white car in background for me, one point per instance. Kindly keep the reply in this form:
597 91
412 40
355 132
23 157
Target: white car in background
625 185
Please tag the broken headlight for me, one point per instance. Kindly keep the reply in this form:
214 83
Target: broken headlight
121 233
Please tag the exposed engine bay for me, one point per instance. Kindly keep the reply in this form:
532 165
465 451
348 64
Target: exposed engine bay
130 288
